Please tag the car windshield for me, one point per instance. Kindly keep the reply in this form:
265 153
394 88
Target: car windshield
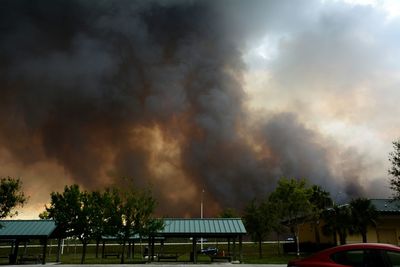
394 258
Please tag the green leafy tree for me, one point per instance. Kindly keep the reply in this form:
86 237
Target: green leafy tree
112 214
135 209
229 213
110 222
77 213
394 170
273 222
363 214
292 197
320 201
256 223
11 196
44 215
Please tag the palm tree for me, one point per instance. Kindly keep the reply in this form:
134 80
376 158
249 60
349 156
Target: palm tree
363 214
338 222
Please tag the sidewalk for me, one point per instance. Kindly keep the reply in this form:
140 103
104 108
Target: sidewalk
223 264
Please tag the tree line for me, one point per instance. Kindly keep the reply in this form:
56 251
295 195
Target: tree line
90 215
87 215
114 212
294 203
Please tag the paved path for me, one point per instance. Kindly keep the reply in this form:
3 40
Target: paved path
160 264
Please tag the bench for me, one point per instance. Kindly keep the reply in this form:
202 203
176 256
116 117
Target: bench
220 257
168 257
111 255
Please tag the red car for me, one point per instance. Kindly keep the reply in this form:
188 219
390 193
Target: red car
355 255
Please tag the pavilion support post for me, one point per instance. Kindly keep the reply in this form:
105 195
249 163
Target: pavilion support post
149 249
240 249
162 247
11 252
12 247
14 255
59 240
194 250
229 246
234 248
152 248
44 251
25 248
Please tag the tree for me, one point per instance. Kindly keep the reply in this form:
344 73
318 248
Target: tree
292 199
44 215
363 214
111 219
256 223
77 214
320 201
338 221
11 196
135 209
271 212
229 213
394 171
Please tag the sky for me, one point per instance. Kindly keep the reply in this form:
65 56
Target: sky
185 96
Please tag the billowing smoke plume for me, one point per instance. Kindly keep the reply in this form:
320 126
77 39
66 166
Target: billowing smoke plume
153 92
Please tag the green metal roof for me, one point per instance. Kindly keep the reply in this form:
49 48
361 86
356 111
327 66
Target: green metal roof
386 205
12 229
223 226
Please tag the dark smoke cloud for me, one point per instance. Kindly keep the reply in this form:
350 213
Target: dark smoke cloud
82 83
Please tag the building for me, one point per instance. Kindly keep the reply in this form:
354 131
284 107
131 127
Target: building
387 229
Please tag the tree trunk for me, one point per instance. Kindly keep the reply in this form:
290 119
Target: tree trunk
296 234
335 237
123 251
59 249
279 244
84 245
364 237
342 238
317 236
259 248
97 247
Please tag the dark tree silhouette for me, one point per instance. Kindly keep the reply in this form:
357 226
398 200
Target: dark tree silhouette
394 170
11 196
363 214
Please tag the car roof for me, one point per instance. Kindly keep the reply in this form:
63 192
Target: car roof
329 251
368 245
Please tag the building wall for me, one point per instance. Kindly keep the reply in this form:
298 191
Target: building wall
387 230
307 234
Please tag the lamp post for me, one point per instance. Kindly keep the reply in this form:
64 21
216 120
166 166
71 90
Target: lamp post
201 215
